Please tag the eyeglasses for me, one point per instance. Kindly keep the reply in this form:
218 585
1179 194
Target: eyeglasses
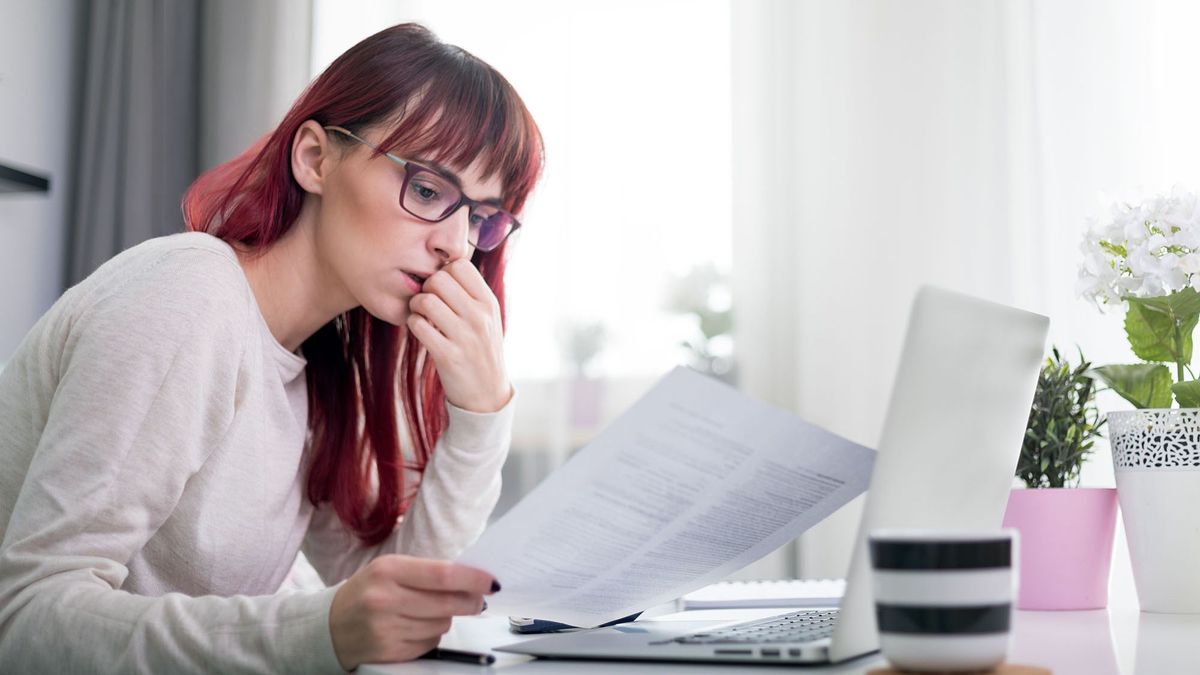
433 197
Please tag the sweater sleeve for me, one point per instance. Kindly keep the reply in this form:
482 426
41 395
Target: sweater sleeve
147 387
458 491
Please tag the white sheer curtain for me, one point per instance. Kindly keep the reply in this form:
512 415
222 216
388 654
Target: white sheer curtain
903 163
882 145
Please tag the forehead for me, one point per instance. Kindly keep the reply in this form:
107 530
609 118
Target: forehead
474 184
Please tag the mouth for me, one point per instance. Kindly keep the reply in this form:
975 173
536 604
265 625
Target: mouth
418 278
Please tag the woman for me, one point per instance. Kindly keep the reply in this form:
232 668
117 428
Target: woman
184 421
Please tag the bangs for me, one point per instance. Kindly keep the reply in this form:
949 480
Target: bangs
469 112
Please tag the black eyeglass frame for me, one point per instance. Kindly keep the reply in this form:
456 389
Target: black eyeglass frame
451 210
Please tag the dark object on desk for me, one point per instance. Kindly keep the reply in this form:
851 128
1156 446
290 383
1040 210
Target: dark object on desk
527 626
15 180
443 654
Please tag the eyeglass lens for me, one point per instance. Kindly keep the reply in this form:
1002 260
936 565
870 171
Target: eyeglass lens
432 197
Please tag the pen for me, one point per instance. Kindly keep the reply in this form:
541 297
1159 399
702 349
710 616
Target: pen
459 655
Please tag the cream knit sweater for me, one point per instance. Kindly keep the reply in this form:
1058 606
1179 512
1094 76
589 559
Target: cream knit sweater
152 476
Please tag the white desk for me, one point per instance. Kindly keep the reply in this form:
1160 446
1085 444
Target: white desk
1117 641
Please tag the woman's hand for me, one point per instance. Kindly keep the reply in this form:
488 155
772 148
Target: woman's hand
457 318
397 607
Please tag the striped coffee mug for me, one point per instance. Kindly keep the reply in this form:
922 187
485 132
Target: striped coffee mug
944 598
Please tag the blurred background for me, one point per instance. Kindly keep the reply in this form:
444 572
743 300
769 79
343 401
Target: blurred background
753 188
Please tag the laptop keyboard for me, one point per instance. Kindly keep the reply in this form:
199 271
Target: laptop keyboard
802 626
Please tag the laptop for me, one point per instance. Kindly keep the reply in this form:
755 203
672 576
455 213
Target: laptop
946 459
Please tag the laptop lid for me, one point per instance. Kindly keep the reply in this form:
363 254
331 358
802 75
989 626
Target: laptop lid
946 458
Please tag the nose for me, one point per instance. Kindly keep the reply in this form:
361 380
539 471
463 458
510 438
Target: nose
449 238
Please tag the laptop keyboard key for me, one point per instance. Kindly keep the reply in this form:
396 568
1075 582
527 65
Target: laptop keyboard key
802 626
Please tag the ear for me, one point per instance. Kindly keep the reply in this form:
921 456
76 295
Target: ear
312 156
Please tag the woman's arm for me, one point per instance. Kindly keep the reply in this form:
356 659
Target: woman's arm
457 494
146 388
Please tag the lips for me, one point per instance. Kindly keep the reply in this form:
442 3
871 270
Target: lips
418 280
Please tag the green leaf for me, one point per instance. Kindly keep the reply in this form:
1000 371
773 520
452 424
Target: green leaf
715 323
1115 249
1151 324
1145 385
1187 394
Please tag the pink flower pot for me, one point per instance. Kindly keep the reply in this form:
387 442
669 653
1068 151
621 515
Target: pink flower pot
1066 545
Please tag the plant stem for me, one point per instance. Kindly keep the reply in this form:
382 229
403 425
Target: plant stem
1179 365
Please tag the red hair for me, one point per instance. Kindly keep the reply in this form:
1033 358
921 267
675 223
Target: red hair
446 105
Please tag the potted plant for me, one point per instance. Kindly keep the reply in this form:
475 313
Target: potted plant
1066 531
703 296
1146 262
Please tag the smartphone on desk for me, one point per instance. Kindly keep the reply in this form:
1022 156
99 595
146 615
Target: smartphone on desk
527 626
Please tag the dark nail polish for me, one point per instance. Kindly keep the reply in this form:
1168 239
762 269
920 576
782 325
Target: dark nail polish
495 586
484 607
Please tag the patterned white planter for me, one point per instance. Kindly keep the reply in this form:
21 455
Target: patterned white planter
1156 458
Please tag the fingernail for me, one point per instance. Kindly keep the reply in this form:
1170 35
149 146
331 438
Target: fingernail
484 607
495 586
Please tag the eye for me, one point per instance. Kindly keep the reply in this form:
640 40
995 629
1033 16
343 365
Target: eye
423 191
477 220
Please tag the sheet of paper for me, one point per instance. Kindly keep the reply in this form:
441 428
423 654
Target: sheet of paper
692 483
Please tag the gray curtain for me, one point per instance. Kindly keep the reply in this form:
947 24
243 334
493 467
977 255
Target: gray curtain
171 88
136 142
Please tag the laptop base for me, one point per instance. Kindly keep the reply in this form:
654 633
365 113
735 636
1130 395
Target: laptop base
654 641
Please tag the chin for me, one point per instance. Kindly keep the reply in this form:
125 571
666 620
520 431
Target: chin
392 310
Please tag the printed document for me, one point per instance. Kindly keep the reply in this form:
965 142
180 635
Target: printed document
692 483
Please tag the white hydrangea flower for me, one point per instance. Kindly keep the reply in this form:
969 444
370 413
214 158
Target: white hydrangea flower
1145 250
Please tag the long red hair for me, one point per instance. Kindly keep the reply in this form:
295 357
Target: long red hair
446 105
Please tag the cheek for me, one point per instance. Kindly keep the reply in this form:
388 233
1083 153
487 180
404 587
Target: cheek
362 227
369 220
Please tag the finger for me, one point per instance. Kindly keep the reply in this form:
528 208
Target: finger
428 335
443 575
450 290
422 604
437 312
471 280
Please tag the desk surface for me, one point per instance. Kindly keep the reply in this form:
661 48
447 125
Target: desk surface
1116 641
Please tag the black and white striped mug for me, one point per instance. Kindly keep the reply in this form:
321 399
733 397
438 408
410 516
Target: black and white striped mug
944 598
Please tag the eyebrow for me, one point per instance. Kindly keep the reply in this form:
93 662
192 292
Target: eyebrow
451 176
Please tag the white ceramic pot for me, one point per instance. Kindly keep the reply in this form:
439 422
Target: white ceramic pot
1156 458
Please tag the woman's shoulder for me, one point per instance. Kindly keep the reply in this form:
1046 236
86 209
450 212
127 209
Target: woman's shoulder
174 256
192 278
152 301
